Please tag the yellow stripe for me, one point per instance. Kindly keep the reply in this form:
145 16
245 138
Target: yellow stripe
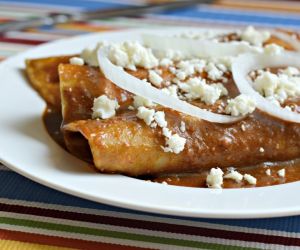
260 5
17 245
84 27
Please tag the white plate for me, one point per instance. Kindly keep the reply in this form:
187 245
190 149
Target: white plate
26 148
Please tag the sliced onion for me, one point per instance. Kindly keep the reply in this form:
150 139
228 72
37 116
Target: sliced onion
287 38
136 86
197 48
207 48
246 63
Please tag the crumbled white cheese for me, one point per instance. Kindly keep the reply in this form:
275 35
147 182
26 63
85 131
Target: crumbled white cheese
176 81
159 117
199 67
273 49
234 175
212 93
172 70
196 88
153 125
155 78
281 95
129 55
268 172
158 71
261 149
221 87
289 86
252 74
123 97
240 105
171 91
139 101
254 36
104 107
146 114
209 94
288 108
226 61
281 173
290 71
273 100
215 178
140 55
174 144
189 67
278 87
182 127
213 72
259 72
243 127
166 132
266 83
221 67
250 179
90 55
230 169
119 56
165 62
180 75
76 61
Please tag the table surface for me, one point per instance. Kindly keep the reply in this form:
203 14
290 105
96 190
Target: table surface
33 216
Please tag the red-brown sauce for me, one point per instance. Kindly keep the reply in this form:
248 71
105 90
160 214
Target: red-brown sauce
52 120
292 173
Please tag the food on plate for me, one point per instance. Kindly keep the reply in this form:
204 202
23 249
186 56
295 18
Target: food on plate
214 109
43 76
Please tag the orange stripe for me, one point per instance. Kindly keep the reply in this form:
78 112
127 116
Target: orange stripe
84 27
60 241
260 5
17 245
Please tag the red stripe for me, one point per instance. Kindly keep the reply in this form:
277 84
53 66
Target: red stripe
156 226
6 19
20 41
60 241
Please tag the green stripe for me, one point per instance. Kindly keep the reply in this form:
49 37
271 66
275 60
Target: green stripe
114 234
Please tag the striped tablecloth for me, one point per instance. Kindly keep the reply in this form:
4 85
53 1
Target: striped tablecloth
36 217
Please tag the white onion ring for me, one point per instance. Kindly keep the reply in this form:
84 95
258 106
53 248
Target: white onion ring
197 48
207 48
136 86
246 63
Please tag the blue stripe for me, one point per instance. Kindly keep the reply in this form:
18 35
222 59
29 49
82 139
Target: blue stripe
16 187
61 31
204 13
81 4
